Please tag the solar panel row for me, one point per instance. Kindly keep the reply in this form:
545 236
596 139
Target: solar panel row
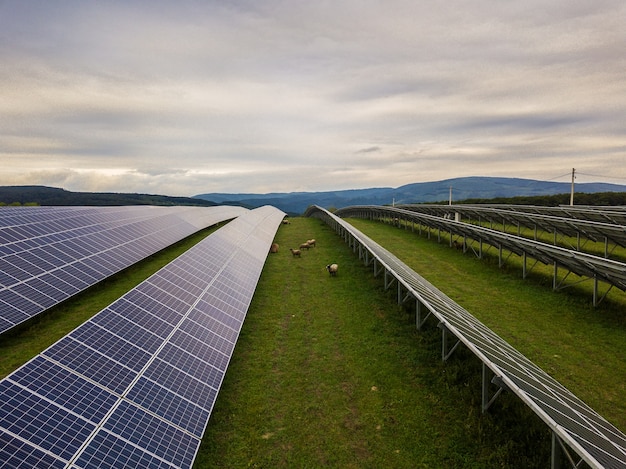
594 267
135 385
607 214
574 227
48 254
595 440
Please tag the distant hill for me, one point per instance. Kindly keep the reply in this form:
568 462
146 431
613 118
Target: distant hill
478 188
42 195
475 189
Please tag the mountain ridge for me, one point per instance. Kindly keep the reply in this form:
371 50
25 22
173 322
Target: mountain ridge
477 189
472 187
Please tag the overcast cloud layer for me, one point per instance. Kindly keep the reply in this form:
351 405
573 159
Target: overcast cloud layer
189 97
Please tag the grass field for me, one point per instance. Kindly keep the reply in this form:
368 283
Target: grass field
582 346
331 372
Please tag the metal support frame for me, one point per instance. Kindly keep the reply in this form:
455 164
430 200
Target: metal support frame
470 246
419 320
525 269
446 350
389 279
403 298
490 378
377 267
559 449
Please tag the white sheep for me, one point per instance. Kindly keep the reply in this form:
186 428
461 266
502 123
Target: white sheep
295 252
332 269
304 246
274 247
311 242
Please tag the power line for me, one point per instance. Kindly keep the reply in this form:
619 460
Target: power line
601 176
561 176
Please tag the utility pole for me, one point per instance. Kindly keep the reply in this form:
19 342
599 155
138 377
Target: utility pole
571 197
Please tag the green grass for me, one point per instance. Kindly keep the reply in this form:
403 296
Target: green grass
330 372
580 345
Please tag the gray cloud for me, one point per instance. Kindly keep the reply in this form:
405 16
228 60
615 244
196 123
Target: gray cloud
190 97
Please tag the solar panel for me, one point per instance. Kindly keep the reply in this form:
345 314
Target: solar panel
587 433
593 267
593 229
48 254
135 385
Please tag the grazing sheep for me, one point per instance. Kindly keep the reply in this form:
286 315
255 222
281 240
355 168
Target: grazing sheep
305 246
286 222
295 252
332 269
311 242
274 247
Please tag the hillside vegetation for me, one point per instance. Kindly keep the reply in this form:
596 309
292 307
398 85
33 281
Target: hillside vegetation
41 195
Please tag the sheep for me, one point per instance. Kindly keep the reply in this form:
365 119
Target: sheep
304 246
295 252
274 247
286 222
332 269
311 242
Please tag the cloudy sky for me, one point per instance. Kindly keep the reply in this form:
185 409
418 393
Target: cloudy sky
196 96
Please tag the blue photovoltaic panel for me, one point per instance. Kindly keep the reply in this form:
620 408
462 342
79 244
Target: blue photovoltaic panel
65 388
129 331
92 364
109 451
112 346
192 389
172 407
150 365
48 254
156 436
41 422
203 350
15 453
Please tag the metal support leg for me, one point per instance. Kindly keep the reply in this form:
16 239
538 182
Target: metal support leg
419 320
489 378
446 351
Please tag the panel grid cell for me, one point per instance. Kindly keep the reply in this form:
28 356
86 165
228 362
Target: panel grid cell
16 454
65 389
41 422
156 436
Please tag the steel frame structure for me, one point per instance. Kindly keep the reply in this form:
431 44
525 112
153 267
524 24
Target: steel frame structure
608 227
579 434
474 237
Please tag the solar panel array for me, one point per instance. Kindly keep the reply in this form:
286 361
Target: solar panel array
596 441
600 231
606 214
135 385
48 254
583 264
